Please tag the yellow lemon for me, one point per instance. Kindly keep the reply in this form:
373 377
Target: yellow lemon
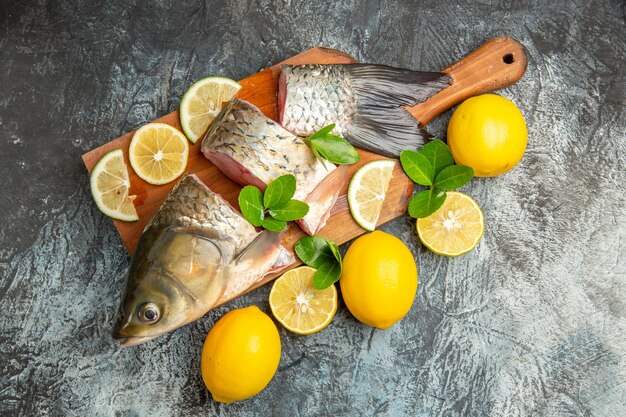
487 133
379 279
240 355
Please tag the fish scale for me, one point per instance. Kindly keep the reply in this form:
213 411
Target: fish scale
322 97
193 206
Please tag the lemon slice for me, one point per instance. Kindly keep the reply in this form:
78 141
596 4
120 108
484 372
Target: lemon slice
109 187
454 229
367 191
158 153
202 102
298 306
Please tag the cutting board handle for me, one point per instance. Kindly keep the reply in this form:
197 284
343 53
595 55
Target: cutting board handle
498 63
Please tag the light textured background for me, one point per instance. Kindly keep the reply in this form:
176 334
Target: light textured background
532 322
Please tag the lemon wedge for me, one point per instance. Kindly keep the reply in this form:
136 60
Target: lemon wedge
298 306
110 185
367 190
202 102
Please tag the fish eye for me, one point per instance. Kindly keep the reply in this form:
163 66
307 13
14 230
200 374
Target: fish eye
149 313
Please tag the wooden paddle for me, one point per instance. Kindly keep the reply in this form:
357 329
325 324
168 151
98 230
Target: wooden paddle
498 63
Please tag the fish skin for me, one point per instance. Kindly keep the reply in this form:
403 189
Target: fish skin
196 252
252 149
365 102
314 96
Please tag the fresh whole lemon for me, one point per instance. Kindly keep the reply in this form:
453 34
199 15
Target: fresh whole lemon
240 355
487 133
379 279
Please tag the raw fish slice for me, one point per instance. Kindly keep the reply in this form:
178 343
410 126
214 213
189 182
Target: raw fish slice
252 149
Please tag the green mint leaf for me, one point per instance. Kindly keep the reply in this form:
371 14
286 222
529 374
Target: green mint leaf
335 250
251 204
326 275
453 177
323 131
323 255
417 167
335 149
274 225
426 203
314 251
279 191
292 210
438 154
318 156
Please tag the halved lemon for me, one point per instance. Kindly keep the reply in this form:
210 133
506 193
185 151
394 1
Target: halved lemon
367 191
109 186
454 229
158 153
202 102
298 306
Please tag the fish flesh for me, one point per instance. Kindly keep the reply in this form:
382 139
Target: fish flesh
252 149
366 102
196 252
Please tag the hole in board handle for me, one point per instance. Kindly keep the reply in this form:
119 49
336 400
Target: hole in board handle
508 59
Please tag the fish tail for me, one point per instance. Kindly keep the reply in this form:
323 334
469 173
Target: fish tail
381 123
322 199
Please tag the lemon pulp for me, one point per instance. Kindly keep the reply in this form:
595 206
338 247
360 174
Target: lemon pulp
454 229
110 186
202 102
298 306
367 191
158 153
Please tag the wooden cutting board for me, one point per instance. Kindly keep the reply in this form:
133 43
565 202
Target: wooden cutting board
260 90
497 63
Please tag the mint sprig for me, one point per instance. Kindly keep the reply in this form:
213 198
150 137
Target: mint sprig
323 255
332 148
433 166
273 208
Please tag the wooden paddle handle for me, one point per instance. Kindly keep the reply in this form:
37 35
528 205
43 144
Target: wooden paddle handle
496 64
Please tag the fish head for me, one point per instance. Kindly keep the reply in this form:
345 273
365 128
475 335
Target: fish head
154 307
175 281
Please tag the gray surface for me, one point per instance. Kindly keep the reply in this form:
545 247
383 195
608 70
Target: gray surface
530 323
